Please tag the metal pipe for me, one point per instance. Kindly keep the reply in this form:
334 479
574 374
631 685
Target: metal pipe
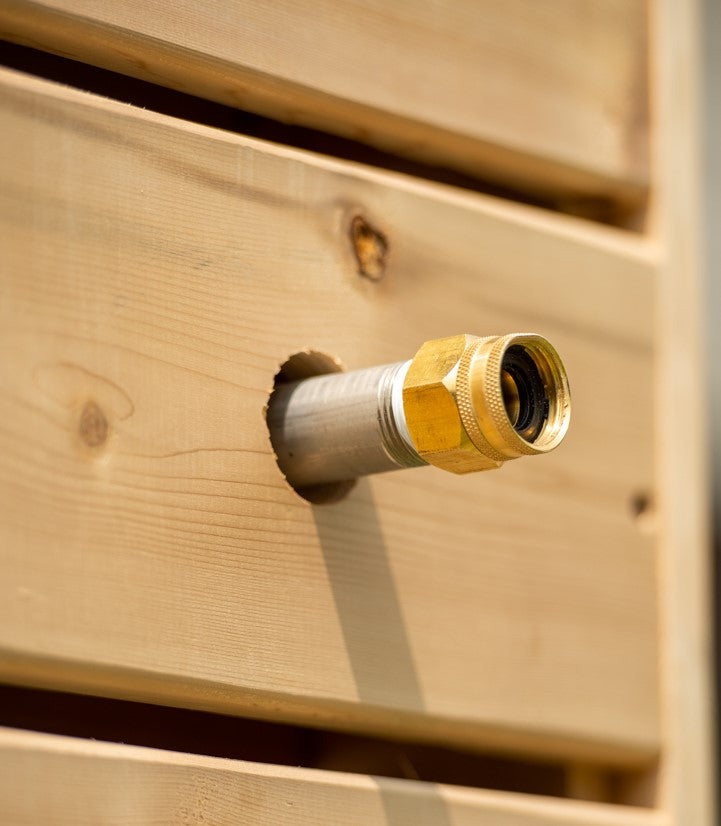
461 403
340 426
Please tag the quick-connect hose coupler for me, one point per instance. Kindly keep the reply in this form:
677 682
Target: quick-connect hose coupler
461 403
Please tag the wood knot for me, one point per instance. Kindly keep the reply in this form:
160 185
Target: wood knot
93 427
370 247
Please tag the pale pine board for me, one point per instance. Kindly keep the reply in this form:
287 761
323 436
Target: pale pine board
542 96
689 780
58 780
162 271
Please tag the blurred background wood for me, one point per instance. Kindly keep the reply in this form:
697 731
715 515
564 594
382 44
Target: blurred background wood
88 783
541 96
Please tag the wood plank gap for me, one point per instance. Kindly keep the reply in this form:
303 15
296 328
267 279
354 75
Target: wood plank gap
189 107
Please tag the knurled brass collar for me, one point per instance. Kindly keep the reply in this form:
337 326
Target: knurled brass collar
473 403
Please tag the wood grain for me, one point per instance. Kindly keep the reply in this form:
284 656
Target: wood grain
154 275
689 774
548 97
89 782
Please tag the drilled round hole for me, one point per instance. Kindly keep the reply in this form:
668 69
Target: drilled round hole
643 512
640 503
304 365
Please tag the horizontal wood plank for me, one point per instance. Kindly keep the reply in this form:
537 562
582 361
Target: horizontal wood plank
56 780
154 275
547 97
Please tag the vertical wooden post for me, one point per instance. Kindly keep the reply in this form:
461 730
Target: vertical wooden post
687 773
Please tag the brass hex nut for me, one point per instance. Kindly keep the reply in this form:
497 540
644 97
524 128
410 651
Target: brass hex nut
435 397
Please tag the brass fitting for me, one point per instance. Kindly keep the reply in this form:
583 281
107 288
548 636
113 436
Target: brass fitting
473 403
462 403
